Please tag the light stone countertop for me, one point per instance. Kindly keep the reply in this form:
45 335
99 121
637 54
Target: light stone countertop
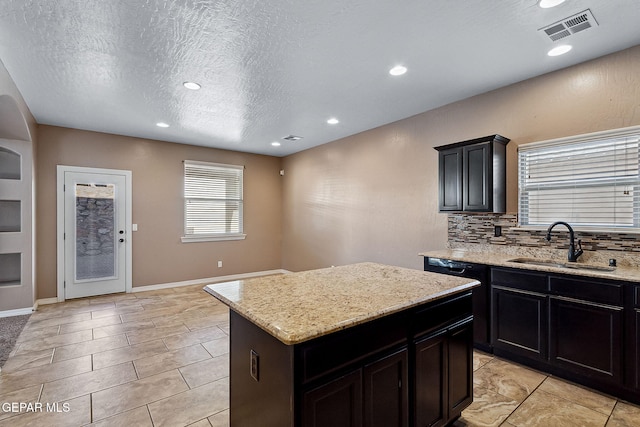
297 307
501 259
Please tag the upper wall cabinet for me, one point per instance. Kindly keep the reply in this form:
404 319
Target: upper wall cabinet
472 175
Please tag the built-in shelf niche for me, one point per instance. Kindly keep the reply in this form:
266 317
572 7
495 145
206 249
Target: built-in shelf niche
10 216
10 267
9 164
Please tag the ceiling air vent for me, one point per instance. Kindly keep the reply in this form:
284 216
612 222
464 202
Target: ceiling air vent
292 138
571 25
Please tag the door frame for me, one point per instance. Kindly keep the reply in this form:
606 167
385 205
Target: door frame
61 169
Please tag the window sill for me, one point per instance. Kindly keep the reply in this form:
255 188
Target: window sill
196 239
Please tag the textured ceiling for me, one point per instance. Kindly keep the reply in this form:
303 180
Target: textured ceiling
273 68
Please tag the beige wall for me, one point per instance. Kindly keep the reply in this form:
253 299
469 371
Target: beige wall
373 196
158 254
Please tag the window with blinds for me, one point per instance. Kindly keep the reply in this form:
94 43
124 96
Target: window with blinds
591 181
212 201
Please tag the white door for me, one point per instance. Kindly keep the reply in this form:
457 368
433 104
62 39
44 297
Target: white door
96 247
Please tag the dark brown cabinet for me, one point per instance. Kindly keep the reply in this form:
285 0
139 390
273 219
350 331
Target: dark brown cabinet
570 326
386 391
337 403
636 350
450 179
472 175
370 375
443 362
586 338
519 313
374 396
587 327
520 322
634 339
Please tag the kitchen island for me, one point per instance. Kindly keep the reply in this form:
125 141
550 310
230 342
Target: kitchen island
362 344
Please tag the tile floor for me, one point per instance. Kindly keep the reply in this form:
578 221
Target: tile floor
507 394
160 358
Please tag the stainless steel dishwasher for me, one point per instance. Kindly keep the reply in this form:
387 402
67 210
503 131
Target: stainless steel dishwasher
480 297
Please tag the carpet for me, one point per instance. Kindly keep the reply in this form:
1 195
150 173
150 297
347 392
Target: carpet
10 328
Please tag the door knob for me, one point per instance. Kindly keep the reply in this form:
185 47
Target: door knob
121 231
121 240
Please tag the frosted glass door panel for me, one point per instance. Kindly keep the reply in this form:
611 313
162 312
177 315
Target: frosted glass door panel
95 231
95 242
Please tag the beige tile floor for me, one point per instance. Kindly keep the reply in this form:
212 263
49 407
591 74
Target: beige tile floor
161 358
508 395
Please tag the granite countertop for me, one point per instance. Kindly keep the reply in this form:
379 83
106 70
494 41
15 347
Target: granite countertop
495 258
297 307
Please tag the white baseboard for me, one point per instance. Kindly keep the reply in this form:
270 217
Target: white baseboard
16 312
44 301
28 310
207 281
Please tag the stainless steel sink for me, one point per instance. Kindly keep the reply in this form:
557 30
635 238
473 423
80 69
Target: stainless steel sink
537 261
589 267
552 263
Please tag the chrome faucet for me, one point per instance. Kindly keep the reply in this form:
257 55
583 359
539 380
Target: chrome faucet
573 254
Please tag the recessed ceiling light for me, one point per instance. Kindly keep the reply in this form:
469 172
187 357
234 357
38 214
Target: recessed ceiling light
559 50
162 125
275 144
545 4
191 85
398 70
333 121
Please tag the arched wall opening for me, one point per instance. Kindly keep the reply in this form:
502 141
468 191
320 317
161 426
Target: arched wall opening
13 124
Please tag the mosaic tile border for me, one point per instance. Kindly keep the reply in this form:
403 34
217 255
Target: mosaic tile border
465 228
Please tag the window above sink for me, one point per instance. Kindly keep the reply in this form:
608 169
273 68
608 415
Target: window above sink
591 181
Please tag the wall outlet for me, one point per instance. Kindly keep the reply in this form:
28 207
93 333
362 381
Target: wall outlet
219 264
254 367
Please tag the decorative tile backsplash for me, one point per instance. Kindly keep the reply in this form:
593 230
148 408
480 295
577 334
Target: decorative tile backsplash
479 228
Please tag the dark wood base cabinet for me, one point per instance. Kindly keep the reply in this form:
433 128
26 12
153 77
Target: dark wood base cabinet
634 337
572 327
412 368
444 363
587 339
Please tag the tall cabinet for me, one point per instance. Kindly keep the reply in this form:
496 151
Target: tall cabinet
472 175
16 245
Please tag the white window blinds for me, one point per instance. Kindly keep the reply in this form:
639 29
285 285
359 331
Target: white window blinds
589 181
212 199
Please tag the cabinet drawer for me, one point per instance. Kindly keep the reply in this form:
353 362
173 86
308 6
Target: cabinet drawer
319 356
435 317
519 279
591 290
